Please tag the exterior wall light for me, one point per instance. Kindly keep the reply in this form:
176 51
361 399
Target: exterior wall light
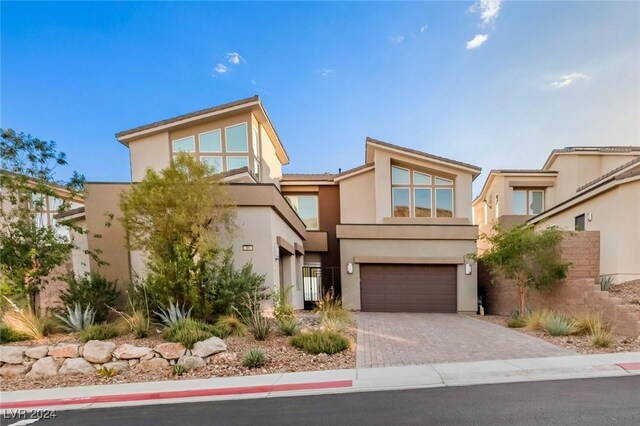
349 268
247 247
589 217
467 269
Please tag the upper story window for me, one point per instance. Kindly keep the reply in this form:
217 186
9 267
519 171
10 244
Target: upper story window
528 201
255 139
221 154
415 194
307 208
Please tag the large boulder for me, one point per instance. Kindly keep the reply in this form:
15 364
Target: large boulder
76 366
170 350
12 370
37 352
128 351
12 354
98 352
153 364
43 368
65 350
190 362
212 345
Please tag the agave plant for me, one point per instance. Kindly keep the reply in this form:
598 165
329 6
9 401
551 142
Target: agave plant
173 314
76 319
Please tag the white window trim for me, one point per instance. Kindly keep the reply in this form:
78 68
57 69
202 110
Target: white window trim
530 201
236 156
393 200
206 133
413 200
226 144
453 203
401 168
202 157
289 196
173 144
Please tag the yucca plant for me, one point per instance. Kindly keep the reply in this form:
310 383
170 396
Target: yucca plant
179 369
254 358
558 325
173 314
77 320
23 321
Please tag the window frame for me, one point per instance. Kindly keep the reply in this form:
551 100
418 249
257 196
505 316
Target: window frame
432 186
528 198
173 145
287 196
226 141
584 222
200 151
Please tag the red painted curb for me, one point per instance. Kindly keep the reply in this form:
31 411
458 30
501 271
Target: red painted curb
176 394
630 366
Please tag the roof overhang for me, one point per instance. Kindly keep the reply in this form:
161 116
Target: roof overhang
547 174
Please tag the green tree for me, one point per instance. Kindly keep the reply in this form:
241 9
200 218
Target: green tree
29 251
177 217
528 256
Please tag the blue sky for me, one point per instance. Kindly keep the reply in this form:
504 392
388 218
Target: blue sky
496 84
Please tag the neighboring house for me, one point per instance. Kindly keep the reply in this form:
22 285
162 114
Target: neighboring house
578 188
391 235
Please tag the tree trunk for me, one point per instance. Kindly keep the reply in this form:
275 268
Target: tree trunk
522 292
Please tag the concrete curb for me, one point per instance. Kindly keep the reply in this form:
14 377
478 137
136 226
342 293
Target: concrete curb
323 382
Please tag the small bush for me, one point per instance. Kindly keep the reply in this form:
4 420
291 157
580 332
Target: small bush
257 323
230 325
588 323
188 332
8 335
77 320
534 320
137 318
332 324
602 339
106 371
605 282
281 308
90 290
516 322
558 325
23 321
331 307
99 332
179 369
288 326
173 314
254 358
317 342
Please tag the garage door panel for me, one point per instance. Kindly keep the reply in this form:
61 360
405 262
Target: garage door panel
408 288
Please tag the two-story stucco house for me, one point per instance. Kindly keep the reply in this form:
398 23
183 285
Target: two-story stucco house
390 235
578 188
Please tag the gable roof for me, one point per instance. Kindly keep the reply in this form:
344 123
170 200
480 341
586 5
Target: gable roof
254 103
615 171
613 149
289 177
523 172
475 170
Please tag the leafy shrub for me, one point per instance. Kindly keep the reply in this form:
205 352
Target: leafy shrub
179 369
332 324
173 314
188 331
23 321
317 342
76 319
535 319
90 290
106 371
558 325
331 307
254 358
601 339
99 332
516 322
8 335
605 282
230 325
281 308
288 326
588 323
227 287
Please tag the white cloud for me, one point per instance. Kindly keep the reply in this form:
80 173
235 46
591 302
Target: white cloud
221 69
477 41
234 58
568 79
325 72
397 39
253 82
423 28
488 10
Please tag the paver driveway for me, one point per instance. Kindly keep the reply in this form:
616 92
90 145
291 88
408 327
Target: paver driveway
392 339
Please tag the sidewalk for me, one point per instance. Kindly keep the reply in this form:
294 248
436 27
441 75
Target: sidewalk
322 382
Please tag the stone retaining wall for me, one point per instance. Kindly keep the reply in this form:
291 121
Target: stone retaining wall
37 362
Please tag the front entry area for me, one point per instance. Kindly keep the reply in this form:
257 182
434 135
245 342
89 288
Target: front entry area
408 288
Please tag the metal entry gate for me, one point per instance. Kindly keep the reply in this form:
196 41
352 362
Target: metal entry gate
318 281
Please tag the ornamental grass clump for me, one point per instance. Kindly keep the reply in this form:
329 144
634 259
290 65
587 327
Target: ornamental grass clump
535 319
99 332
331 307
319 342
288 326
8 335
23 321
188 331
589 323
601 338
230 325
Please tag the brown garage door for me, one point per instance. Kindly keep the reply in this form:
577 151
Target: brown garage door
408 288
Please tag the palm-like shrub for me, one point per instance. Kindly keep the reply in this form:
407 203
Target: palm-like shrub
317 342
77 319
173 314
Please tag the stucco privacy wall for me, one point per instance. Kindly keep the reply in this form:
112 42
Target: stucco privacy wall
408 250
151 152
357 199
580 292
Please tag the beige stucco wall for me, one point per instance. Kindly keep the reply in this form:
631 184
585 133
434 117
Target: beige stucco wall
615 214
350 249
357 199
151 152
271 166
79 258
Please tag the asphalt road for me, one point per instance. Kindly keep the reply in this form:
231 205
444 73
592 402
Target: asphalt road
582 402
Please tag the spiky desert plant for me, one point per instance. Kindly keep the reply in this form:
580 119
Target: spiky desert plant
173 314
558 325
77 320
107 371
534 320
254 358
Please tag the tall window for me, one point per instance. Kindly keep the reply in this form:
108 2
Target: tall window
579 223
528 201
307 208
415 194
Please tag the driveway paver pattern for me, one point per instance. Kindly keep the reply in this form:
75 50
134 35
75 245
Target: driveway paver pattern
396 339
